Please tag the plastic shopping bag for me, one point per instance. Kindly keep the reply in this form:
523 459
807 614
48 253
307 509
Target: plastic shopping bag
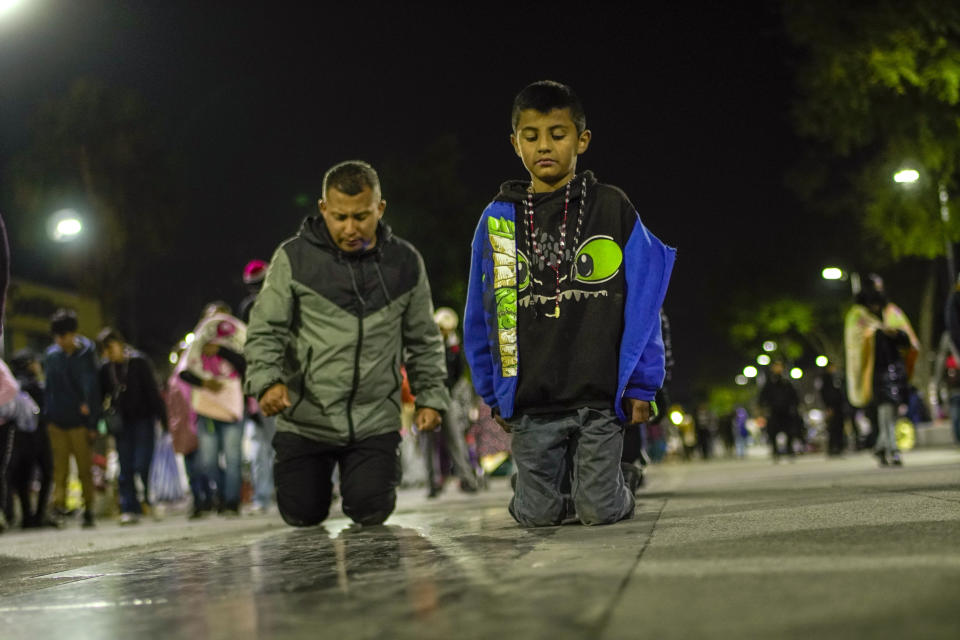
165 483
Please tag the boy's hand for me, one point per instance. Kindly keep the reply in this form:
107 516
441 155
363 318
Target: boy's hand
637 410
427 419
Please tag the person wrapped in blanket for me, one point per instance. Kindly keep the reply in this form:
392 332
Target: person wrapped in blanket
214 368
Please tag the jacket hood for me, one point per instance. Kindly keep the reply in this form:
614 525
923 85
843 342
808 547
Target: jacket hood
314 230
84 344
516 190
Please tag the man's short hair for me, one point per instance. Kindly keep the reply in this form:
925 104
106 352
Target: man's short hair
63 321
108 335
351 177
545 96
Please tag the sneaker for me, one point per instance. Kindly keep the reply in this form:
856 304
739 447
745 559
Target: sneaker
895 459
88 521
129 518
196 514
881 458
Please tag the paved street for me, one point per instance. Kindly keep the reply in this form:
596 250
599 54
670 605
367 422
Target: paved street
738 549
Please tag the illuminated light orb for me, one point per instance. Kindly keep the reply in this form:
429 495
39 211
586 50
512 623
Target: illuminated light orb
190 337
741 379
832 273
750 371
763 359
796 373
676 417
822 361
906 176
174 358
769 345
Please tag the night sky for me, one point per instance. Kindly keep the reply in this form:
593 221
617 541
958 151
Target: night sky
688 104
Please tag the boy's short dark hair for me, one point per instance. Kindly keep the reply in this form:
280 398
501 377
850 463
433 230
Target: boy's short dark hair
545 96
351 177
21 360
108 335
63 321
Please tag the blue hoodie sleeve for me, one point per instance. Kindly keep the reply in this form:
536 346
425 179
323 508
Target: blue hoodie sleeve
648 263
475 334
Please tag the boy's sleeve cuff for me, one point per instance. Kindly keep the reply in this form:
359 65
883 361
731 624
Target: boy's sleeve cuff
640 394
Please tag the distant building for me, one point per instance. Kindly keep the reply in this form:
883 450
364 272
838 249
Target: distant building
29 307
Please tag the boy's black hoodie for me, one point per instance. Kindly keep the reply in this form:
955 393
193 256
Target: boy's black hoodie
555 373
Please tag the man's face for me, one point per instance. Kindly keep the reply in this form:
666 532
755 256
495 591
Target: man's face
66 341
113 351
776 368
352 220
548 144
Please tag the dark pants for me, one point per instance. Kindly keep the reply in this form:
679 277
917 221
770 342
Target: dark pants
31 452
8 432
369 476
199 482
135 452
780 424
835 431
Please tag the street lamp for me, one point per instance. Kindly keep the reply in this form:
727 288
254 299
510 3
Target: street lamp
763 359
822 361
750 371
796 373
769 346
908 177
64 226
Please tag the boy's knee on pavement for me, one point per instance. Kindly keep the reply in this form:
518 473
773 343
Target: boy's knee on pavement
302 515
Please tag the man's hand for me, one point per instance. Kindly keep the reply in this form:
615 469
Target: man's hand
426 419
212 384
637 410
275 400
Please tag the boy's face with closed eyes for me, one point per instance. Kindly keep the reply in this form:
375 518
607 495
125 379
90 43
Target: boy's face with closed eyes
548 144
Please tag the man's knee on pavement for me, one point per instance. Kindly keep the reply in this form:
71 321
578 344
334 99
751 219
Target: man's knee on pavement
537 515
301 515
371 510
592 513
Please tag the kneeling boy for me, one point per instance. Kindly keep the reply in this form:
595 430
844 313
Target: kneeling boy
562 323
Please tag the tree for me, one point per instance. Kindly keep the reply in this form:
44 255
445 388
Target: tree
879 86
100 149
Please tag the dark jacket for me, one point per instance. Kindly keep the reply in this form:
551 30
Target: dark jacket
779 398
70 382
335 327
138 395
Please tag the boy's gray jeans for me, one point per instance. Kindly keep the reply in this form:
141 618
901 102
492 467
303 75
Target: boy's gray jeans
570 459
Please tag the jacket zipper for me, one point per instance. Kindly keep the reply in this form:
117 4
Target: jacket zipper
356 373
303 381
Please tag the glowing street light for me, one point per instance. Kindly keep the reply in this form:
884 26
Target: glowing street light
822 361
769 346
750 371
189 338
906 176
676 417
796 373
65 225
832 273
7 5
741 379
763 359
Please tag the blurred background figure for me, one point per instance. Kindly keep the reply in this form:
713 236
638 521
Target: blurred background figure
779 401
71 404
705 425
881 349
830 384
131 392
263 427
32 459
182 421
450 440
215 367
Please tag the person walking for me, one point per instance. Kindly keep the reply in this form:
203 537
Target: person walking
780 401
881 348
71 406
131 391
344 304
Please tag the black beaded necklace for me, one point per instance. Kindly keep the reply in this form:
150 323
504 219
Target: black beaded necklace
532 241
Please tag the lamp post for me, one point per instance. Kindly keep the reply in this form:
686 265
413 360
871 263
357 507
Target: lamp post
911 176
836 273
65 226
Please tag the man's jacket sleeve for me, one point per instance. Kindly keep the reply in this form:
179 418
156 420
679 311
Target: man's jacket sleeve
423 354
91 389
269 330
475 334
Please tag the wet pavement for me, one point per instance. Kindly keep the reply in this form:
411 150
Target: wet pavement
723 549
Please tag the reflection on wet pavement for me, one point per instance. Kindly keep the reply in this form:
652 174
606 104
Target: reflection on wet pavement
426 575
